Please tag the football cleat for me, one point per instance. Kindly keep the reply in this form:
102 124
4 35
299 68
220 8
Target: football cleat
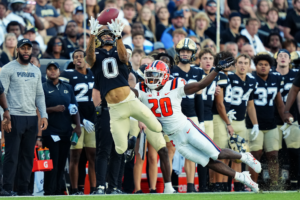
246 179
252 162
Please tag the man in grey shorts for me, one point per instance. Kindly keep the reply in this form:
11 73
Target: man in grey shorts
24 92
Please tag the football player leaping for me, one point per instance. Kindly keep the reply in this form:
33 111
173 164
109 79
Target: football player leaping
164 98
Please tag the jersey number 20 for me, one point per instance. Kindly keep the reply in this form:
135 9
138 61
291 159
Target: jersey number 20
165 107
114 72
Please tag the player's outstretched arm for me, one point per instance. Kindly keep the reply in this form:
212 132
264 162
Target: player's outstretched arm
116 28
289 102
280 105
192 88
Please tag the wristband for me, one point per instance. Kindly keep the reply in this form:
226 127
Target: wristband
228 124
119 37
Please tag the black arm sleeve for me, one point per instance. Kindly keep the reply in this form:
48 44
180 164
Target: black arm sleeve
199 106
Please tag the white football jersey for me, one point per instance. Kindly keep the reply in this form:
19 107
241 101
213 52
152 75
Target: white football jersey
165 104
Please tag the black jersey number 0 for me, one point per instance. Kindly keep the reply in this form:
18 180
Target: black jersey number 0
114 71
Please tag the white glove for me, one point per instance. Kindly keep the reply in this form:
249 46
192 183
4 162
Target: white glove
254 132
73 109
94 26
286 130
201 126
88 126
116 27
231 114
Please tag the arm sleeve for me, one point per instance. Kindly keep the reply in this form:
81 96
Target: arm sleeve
40 98
199 106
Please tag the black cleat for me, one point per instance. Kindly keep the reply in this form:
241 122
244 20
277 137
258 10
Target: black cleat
8 193
139 192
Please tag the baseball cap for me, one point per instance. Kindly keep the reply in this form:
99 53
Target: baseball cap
210 2
53 63
15 1
158 45
78 9
178 13
23 42
29 29
283 51
234 14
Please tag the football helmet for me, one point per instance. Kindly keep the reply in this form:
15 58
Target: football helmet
186 44
100 43
156 74
238 144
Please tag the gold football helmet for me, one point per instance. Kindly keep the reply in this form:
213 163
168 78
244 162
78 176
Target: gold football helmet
186 44
238 144
99 42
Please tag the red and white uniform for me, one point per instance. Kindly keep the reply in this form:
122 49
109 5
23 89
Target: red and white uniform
189 140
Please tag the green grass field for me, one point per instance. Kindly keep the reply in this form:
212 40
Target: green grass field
211 196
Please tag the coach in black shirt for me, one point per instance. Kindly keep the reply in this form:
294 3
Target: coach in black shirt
59 96
230 34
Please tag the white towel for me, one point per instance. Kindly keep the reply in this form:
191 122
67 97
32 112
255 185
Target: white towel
142 144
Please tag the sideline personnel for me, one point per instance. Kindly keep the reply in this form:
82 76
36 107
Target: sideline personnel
22 83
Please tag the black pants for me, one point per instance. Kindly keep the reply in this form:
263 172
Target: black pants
58 153
21 138
105 151
128 183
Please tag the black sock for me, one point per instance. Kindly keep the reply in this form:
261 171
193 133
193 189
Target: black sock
237 186
225 187
74 190
212 187
202 177
190 187
93 189
80 189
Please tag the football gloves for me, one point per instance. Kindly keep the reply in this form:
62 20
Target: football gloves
286 130
88 126
116 27
95 26
201 126
231 114
73 109
223 64
254 132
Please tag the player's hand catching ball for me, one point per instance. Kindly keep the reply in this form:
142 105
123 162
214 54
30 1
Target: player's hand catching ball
95 26
116 27
223 64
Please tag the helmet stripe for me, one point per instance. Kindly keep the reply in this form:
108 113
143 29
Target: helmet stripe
154 63
186 42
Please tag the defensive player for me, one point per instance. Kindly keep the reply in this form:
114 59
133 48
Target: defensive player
266 95
164 98
109 64
222 125
292 133
82 81
243 87
192 102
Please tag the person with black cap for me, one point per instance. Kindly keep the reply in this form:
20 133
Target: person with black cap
290 134
62 109
177 23
24 93
230 34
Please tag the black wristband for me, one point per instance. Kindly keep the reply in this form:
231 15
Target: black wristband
38 136
228 124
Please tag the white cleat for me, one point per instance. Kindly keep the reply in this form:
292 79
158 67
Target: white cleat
249 182
170 191
252 162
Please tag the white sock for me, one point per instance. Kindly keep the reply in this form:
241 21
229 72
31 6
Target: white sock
168 186
243 158
239 177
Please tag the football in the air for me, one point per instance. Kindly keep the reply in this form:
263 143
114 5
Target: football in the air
107 15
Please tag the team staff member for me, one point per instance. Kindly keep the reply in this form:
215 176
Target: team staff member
266 95
109 64
59 96
82 81
293 139
191 102
22 83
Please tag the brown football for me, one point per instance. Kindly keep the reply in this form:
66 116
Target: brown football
107 15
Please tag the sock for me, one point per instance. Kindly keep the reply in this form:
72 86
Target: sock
244 157
80 189
237 186
92 189
74 190
202 177
225 187
239 177
212 187
168 186
190 187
